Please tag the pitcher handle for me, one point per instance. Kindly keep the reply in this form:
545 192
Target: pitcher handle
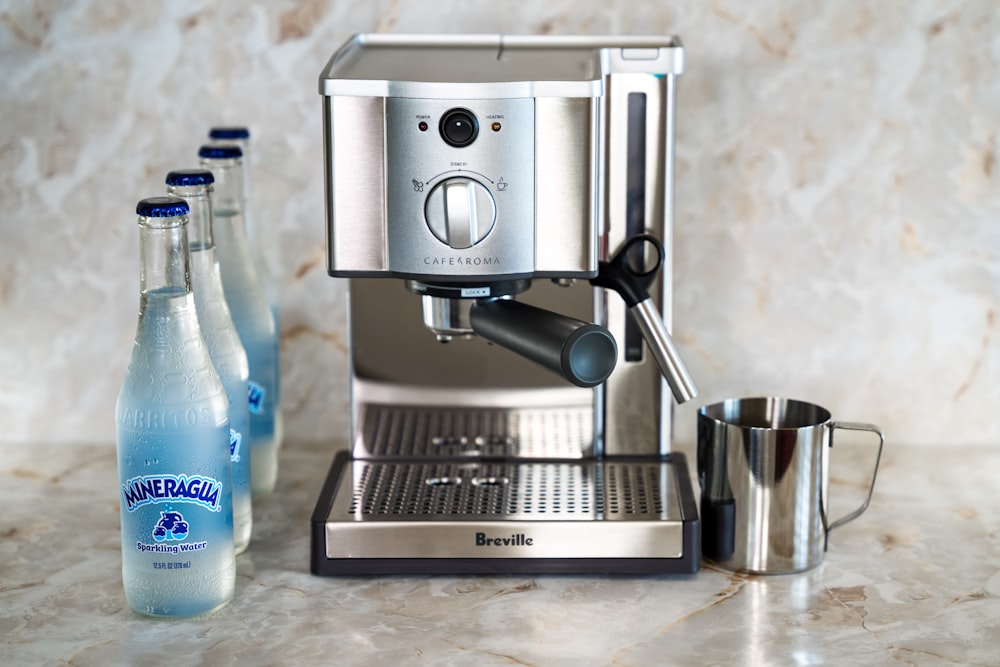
854 426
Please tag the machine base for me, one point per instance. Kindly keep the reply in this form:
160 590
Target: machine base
477 516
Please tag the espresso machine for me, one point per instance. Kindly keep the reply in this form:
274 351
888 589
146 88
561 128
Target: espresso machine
502 208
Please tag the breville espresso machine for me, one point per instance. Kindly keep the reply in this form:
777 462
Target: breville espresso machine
502 208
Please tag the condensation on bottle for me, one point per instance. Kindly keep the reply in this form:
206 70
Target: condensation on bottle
224 346
172 438
250 311
239 135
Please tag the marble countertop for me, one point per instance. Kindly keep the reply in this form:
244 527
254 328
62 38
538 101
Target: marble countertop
916 580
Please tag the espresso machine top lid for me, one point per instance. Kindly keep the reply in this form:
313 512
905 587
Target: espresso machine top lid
491 66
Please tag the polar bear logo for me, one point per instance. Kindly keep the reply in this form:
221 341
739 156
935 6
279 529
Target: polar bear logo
171 526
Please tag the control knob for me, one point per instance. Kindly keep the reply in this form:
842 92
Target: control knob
460 212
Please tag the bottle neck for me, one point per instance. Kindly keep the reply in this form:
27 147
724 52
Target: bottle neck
164 264
228 195
244 145
201 235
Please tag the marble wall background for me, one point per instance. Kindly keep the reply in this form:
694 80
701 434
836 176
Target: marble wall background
838 210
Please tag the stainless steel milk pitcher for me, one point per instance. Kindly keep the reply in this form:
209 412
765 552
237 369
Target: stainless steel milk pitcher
763 464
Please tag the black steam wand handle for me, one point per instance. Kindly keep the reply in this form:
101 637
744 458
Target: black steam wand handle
633 286
582 352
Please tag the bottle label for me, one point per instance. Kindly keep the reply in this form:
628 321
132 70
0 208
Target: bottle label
148 489
171 527
171 530
256 394
235 438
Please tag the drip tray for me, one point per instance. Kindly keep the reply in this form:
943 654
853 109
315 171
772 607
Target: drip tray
516 516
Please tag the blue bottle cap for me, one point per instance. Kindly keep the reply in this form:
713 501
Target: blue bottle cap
229 133
162 207
225 152
184 177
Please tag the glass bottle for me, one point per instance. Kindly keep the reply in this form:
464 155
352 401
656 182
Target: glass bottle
239 135
250 312
172 437
194 186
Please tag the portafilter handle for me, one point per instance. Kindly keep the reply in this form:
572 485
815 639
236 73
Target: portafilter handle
582 352
633 286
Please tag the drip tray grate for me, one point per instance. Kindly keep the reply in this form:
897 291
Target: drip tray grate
524 491
418 431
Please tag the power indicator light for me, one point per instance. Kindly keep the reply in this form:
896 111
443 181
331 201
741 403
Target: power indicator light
422 126
495 127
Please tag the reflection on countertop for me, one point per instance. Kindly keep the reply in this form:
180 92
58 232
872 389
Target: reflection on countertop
916 580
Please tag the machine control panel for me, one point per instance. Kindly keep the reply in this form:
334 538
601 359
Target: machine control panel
460 187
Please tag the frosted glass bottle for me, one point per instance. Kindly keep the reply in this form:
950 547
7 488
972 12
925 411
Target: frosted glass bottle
224 346
250 312
172 438
240 136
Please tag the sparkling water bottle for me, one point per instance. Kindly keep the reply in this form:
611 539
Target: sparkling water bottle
224 346
240 136
250 312
172 433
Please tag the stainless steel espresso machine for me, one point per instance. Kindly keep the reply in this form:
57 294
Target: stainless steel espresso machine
502 207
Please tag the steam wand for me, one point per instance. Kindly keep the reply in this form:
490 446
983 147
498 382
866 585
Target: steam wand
633 286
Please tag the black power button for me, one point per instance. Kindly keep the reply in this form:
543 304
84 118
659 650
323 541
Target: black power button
459 127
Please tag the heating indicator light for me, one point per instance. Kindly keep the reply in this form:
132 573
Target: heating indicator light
495 126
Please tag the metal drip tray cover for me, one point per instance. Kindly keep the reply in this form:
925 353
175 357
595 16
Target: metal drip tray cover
427 432
518 516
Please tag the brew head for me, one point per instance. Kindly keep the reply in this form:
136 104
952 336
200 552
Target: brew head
446 306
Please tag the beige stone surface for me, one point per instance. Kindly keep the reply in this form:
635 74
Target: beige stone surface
913 581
